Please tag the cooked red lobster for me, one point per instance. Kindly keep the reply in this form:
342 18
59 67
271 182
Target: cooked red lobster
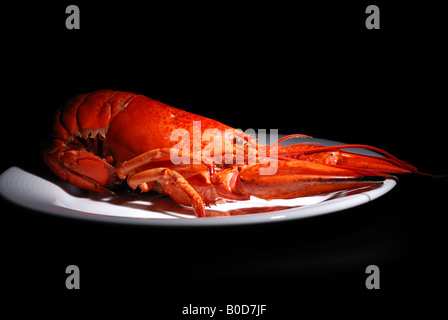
101 138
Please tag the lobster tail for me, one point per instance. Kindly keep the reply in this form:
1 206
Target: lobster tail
79 128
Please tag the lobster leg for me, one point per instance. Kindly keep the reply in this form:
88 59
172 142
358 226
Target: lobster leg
172 183
132 165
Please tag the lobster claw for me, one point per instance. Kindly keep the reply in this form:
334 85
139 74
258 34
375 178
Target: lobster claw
298 178
338 156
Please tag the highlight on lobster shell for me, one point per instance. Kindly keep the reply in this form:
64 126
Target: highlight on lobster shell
105 138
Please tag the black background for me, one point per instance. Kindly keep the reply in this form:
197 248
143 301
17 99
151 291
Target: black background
309 68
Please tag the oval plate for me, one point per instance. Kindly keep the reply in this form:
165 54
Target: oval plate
50 195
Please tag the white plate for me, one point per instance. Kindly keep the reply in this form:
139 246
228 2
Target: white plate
50 195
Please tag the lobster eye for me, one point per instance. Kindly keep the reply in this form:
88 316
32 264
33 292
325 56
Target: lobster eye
238 140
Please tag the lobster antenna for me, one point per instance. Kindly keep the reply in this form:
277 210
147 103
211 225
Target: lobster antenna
387 155
291 136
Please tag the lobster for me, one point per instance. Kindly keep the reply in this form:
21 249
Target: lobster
102 138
